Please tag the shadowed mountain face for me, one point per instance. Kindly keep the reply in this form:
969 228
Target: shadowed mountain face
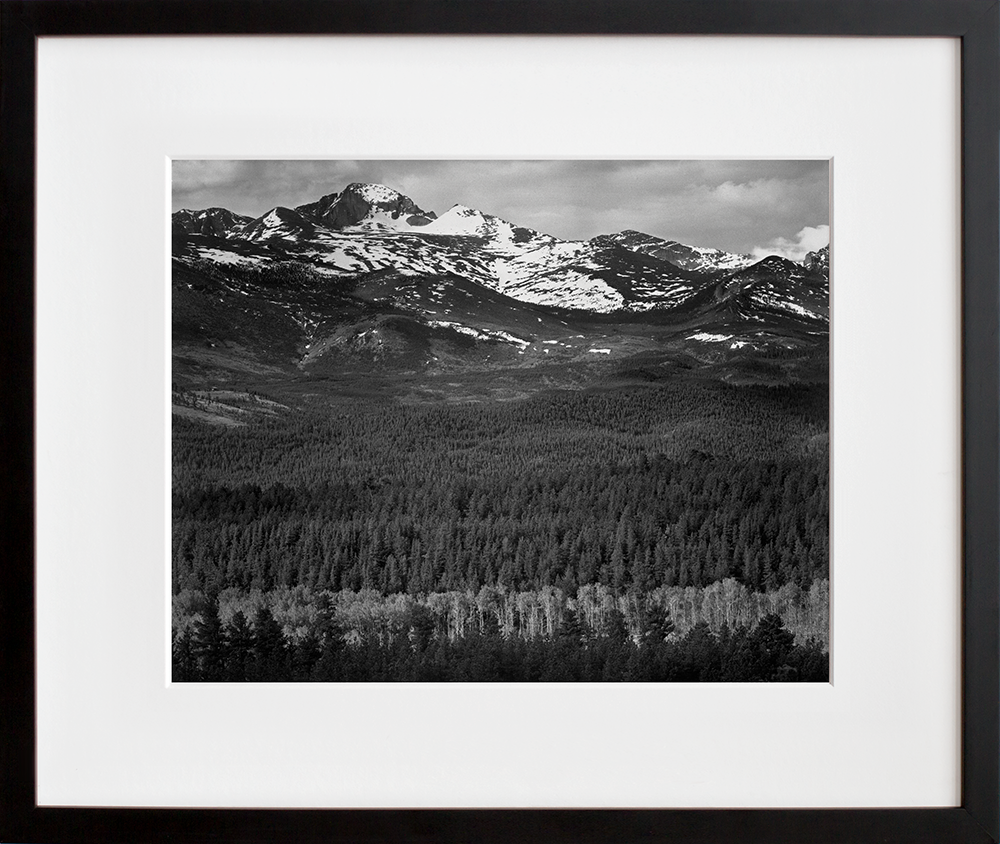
366 285
359 203
214 222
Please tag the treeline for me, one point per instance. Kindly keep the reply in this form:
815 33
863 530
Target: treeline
413 649
525 615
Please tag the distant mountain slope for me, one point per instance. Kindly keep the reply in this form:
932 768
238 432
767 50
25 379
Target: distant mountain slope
596 277
779 284
694 258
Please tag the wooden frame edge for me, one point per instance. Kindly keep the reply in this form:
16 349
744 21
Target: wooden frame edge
975 21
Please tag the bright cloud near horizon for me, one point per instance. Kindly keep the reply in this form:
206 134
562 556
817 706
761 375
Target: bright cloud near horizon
808 240
771 207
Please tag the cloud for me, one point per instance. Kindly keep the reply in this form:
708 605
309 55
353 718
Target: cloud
809 239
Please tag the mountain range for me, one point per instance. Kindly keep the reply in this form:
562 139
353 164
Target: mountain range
365 282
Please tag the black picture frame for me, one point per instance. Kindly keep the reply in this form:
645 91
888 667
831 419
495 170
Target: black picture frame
975 22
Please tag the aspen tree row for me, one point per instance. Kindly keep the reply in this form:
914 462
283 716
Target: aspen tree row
525 615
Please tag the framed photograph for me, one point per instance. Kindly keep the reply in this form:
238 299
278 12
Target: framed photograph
361 510
456 421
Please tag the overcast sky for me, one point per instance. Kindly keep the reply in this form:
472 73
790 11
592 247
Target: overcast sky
767 207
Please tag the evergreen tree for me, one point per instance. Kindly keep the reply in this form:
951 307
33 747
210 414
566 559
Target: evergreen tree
420 625
269 661
772 645
239 648
305 654
330 635
209 642
656 625
184 665
617 630
571 629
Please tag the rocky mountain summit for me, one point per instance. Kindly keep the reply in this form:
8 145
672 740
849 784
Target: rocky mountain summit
818 261
360 204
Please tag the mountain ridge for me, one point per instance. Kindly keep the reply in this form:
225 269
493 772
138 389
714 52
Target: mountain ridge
367 227
358 288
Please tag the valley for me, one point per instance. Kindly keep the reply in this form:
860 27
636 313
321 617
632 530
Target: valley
375 406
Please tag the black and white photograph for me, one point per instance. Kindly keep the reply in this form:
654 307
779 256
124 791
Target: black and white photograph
500 421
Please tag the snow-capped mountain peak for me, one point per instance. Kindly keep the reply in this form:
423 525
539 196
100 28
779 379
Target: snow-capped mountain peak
366 205
281 224
376 194
502 236
215 222
462 220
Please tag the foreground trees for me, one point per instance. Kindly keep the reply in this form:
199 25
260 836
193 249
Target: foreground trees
414 646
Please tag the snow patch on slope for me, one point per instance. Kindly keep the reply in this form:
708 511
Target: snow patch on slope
568 289
480 333
220 256
705 337
786 305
